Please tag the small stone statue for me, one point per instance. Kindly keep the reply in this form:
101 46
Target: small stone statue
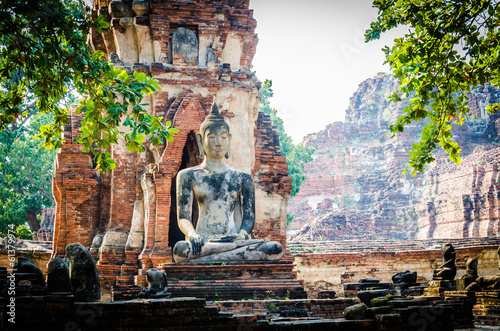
448 269
115 59
486 282
226 201
83 276
471 268
405 277
470 275
404 280
25 266
58 276
157 285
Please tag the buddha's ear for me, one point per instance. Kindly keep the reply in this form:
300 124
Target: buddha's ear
200 145
228 152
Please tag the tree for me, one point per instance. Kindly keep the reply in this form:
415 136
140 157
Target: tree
297 156
26 171
43 53
451 48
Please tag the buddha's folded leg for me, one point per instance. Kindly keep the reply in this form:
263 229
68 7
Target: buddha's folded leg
223 252
183 250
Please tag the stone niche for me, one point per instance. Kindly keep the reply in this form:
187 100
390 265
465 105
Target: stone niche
198 51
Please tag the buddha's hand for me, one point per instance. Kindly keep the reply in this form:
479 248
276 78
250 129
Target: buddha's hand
242 235
197 242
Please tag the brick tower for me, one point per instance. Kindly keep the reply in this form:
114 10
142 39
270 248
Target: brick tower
197 50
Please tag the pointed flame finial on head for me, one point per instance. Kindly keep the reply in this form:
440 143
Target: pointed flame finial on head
213 119
215 109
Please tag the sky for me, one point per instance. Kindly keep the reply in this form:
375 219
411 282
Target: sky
315 54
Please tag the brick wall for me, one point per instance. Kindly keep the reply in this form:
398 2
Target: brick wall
329 271
99 210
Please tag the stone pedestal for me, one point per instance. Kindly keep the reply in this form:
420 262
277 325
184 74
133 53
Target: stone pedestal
415 291
438 287
231 280
462 303
351 289
404 288
412 315
487 308
463 282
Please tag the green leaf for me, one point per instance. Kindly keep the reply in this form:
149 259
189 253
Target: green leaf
140 76
139 138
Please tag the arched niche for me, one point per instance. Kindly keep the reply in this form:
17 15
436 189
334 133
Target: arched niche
186 113
190 158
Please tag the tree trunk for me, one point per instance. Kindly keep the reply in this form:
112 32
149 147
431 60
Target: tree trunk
33 222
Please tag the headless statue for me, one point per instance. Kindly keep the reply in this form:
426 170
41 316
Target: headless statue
448 269
487 282
226 203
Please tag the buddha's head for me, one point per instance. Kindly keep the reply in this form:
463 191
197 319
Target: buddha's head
214 138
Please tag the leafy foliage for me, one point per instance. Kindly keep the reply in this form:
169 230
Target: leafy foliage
451 48
297 156
23 232
26 171
43 52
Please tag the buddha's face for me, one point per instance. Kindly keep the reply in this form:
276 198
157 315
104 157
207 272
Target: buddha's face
216 141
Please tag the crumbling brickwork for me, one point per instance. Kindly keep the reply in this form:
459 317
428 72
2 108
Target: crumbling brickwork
355 180
46 231
198 51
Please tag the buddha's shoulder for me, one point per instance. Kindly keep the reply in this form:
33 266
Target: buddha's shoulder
240 174
189 172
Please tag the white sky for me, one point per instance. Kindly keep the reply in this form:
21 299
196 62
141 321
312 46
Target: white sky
315 54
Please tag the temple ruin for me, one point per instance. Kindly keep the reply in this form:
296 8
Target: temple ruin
377 251
197 51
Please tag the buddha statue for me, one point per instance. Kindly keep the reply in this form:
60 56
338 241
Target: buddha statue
448 269
226 203
486 283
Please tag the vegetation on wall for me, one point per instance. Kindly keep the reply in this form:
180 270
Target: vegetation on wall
26 171
43 53
297 156
451 48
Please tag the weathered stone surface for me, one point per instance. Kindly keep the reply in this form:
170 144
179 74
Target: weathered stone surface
83 276
470 274
381 301
405 277
225 198
367 296
58 276
136 202
25 266
369 281
234 280
46 231
332 265
448 269
157 285
487 308
438 287
185 44
355 312
211 57
355 180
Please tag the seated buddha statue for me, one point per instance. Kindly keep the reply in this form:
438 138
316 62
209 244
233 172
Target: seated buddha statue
226 203
486 283
448 269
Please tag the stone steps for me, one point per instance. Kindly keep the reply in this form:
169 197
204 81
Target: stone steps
356 246
234 281
233 289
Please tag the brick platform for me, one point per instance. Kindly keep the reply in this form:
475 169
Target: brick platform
487 308
127 218
236 281
323 308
